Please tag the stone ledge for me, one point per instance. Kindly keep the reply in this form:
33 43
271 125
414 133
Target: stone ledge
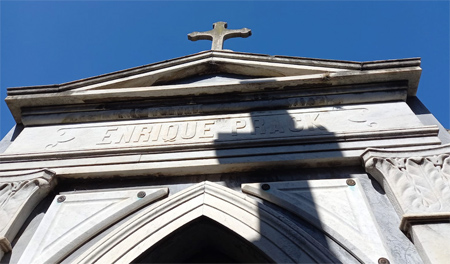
409 220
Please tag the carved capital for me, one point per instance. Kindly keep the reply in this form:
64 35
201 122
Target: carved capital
417 182
19 194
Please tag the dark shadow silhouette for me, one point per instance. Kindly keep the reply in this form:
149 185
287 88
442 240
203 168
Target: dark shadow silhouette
252 138
274 133
203 241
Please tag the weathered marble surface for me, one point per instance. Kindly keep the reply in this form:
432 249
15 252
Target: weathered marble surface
418 184
253 221
217 143
19 194
73 218
338 207
401 248
141 162
218 130
432 241
66 131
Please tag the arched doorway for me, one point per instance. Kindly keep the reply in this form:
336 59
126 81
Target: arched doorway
203 241
209 223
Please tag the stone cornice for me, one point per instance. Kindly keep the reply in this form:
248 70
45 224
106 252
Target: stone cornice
267 76
423 151
347 65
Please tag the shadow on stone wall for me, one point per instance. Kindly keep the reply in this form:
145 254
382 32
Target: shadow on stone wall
266 150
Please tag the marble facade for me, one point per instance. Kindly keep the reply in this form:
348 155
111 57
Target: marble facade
284 159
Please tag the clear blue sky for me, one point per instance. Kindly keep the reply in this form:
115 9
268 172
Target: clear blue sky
53 42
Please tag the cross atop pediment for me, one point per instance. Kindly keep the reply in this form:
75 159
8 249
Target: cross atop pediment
219 34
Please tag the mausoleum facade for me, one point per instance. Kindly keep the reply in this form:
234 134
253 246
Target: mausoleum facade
227 157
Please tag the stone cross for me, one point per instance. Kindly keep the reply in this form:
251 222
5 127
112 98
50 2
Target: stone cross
219 34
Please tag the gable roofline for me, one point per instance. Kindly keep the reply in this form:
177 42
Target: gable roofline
210 54
272 76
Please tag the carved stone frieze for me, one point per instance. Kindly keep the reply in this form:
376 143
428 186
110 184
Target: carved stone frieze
19 194
416 182
299 125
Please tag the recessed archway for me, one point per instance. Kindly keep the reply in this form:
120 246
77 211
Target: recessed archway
265 235
203 241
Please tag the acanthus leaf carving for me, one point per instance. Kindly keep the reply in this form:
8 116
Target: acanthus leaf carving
444 174
417 183
420 173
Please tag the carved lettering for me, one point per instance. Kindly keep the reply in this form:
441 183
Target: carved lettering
126 135
144 134
160 132
258 126
193 129
275 127
170 133
206 130
311 122
238 124
188 130
107 137
293 125
157 130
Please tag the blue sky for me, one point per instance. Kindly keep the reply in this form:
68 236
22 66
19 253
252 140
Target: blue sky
53 42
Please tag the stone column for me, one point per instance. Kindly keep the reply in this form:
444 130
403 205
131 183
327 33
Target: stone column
19 195
417 183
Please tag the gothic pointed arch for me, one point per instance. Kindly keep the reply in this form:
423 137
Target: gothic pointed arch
265 229
203 240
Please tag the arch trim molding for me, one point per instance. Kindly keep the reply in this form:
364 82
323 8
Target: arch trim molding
278 237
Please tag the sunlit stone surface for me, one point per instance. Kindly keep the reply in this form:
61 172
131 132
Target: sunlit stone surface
224 156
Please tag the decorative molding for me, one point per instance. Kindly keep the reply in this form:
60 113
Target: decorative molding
279 238
416 181
19 195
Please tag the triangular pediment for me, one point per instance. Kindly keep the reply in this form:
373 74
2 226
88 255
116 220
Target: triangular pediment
212 67
214 73
225 67
211 78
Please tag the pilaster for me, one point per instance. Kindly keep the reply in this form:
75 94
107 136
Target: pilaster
417 182
19 195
